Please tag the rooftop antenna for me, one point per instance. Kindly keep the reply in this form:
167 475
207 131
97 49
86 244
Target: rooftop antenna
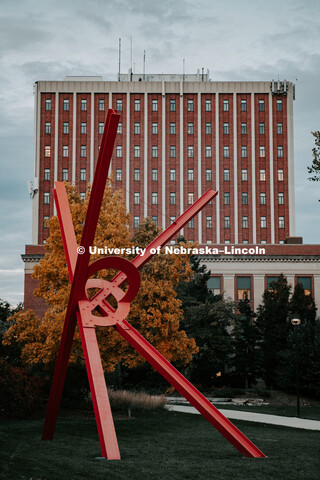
131 52
144 64
184 69
119 59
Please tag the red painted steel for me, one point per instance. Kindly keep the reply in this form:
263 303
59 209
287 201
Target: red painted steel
80 307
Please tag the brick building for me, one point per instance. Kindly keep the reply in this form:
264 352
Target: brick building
178 136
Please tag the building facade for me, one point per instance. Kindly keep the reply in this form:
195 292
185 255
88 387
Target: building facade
178 136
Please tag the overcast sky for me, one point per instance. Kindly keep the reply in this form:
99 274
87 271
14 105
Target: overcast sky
247 40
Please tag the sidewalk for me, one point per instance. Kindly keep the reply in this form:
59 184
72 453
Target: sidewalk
255 417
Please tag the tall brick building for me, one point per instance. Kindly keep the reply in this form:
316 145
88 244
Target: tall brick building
178 136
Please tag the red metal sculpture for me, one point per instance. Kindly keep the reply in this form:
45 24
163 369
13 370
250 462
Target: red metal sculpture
80 310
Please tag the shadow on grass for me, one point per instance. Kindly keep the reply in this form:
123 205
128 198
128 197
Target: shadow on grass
157 445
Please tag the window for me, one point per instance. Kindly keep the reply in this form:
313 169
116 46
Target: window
208 175
261 105
279 105
226 222
172 219
47 151
119 105
154 151
155 220
118 151
208 128
271 283
226 198
279 128
214 285
243 105
118 174
280 175
243 128
191 223
172 151
262 175
65 151
263 198
245 223
137 105
65 104
65 128
83 151
244 198
154 175
154 128
136 174
154 198
280 152
136 198
101 127
172 198
226 152
190 175
244 175
190 198
190 105
137 151
172 105
263 222
226 175
137 128
119 131
83 128
172 128
136 221
281 222
261 128
208 151
45 221
190 128
47 127
154 105
281 198
208 105
262 151
47 173
64 174
244 288
190 151
83 105
226 105
48 104
82 195
83 175
172 175
101 104
306 284
46 198
209 222
226 128
244 152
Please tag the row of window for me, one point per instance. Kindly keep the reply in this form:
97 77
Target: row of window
244 197
244 175
65 174
172 128
154 105
243 285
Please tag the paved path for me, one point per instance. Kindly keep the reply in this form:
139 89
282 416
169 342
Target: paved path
256 417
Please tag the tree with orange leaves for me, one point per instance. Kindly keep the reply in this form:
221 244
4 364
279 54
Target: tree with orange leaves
155 312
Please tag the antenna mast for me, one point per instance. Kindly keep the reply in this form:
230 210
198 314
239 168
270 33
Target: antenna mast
119 59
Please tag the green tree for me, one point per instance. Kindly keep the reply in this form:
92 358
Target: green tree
314 170
273 326
245 361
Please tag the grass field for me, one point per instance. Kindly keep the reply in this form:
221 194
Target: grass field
155 445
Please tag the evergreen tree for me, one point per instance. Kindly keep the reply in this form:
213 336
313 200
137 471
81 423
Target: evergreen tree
245 335
273 325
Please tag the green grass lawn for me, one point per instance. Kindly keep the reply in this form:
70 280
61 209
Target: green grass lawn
155 445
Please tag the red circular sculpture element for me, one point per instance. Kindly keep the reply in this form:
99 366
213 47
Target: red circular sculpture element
110 316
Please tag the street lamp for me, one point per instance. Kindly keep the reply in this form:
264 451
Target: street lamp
296 321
